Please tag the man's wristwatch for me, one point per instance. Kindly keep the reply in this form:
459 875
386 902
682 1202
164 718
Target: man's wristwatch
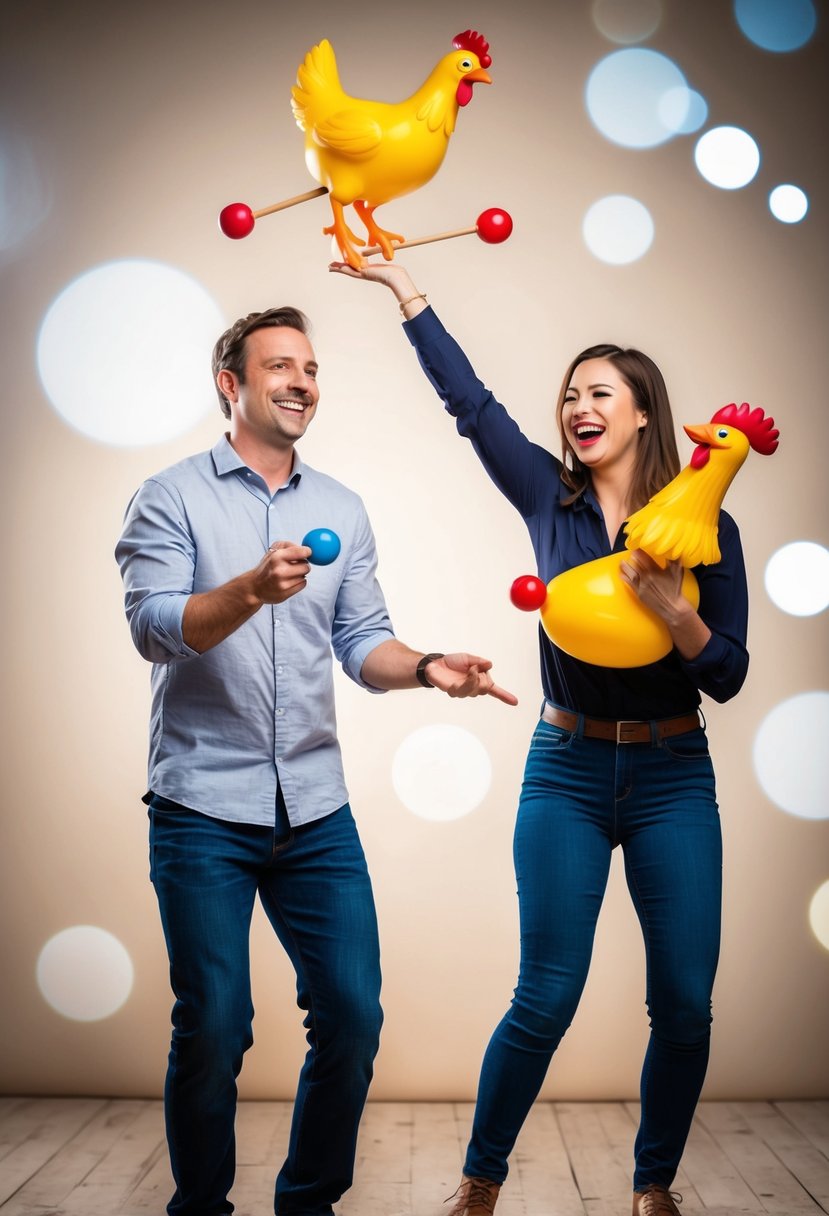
420 670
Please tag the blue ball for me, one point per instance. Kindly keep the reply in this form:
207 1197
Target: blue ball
324 545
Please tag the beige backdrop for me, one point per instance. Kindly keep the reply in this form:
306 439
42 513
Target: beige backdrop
145 120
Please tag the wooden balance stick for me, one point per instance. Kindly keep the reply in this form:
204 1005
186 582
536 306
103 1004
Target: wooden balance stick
421 240
291 202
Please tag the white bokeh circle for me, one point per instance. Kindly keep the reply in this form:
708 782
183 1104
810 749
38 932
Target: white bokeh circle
819 914
85 973
797 578
124 353
788 203
791 758
627 20
727 157
441 772
623 94
618 229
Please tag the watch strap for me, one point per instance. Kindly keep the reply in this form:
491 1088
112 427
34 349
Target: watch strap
420 670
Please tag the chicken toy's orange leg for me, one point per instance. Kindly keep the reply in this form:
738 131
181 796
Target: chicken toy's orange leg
377 236
345 238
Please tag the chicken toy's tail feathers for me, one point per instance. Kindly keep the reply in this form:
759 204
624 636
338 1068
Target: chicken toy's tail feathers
317 78
759 430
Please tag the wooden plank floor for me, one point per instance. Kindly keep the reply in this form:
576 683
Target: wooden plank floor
96 1157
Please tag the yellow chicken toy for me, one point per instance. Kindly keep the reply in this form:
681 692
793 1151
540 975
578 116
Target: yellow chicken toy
368 152
590 612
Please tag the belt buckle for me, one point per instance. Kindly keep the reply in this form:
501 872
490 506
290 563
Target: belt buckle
622 727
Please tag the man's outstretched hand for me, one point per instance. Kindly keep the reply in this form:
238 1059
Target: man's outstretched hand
466 675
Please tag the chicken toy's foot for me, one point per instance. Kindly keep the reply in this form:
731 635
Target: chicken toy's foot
345 238
377 236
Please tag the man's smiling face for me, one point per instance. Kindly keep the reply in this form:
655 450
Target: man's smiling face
276 397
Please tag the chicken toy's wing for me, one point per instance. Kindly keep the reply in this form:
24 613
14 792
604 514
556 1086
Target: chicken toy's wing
436 112
670 537
351 132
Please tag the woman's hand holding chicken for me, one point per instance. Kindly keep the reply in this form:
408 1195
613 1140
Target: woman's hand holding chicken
660 589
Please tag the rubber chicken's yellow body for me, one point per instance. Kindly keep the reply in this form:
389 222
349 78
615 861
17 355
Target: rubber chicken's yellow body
592 614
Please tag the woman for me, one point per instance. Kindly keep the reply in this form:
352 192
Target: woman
590 782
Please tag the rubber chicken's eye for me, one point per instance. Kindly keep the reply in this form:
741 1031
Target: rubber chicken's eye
464 65
722 433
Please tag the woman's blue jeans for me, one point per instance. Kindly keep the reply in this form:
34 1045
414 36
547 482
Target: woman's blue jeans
580 798
314 887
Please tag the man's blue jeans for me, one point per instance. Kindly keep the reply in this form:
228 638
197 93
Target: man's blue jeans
314 887
580 798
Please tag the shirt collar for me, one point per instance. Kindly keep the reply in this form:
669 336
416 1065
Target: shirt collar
227 460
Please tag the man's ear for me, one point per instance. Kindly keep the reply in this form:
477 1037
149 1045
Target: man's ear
228 384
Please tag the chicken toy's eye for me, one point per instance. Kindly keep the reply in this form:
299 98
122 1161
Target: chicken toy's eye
465 65
722 433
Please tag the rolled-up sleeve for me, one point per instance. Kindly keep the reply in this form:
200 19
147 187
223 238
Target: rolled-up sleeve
156 555
361 619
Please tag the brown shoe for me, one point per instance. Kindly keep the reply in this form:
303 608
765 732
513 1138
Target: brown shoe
475 1197
656 1200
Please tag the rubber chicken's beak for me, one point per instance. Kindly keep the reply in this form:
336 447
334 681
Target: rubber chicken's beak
705 436
705 433
478 76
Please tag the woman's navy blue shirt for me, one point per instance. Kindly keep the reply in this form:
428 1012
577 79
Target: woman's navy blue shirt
566 536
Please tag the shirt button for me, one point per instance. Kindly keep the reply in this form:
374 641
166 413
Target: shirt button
277 623
279 671
279 759
279 712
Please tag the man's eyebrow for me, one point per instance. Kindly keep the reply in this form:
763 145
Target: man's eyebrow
291 359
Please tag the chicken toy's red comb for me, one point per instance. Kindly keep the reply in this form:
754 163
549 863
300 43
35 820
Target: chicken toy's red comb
758 429
471 40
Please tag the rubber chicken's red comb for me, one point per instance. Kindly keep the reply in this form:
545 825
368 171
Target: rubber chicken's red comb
757 428
471 40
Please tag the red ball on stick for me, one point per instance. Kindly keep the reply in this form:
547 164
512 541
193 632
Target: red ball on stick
528 593
494 225
236 220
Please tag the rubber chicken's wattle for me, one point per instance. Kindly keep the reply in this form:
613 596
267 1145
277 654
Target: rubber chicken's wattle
591 613
368 152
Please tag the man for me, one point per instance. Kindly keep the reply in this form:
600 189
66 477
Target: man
246 790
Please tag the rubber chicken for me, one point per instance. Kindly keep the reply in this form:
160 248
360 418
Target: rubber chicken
591 613
368 152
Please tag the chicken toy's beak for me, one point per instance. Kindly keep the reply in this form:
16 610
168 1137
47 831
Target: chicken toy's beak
706 437
464 92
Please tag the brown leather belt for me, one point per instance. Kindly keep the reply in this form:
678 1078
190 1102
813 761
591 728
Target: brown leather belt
621 732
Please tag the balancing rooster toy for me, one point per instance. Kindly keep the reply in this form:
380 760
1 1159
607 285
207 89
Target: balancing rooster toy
590 612
368 152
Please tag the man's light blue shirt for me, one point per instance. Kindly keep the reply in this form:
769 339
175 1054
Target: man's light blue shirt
257 711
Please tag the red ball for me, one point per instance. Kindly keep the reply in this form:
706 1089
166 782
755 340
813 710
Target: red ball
494 225
236 220
528 593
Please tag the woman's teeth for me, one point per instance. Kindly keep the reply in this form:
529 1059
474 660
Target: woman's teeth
588 432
